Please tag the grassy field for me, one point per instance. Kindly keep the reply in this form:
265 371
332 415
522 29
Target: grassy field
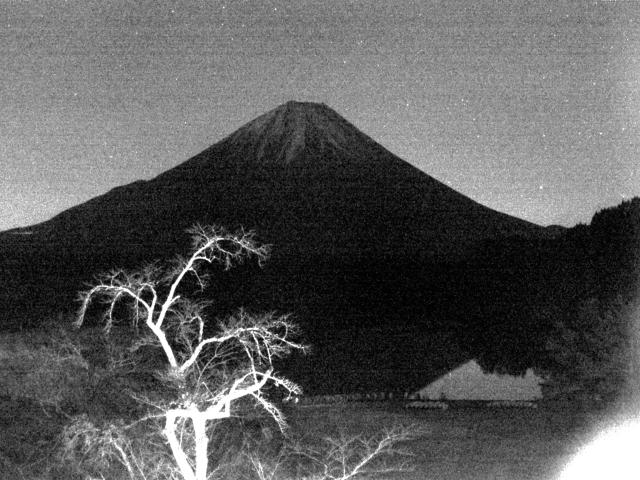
455 444
470 443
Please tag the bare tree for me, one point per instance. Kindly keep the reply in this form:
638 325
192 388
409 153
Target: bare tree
343 457
353 456
208 373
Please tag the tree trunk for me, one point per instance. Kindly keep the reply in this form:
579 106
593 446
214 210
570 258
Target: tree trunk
202 442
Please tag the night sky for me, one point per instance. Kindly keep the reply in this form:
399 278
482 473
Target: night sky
530 108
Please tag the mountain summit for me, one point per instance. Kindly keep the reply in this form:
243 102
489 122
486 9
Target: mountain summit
281 134
306 137
358 235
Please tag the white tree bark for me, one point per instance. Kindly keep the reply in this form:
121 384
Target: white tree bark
260 340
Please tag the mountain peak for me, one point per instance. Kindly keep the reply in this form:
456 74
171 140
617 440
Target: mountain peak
279 135
294 104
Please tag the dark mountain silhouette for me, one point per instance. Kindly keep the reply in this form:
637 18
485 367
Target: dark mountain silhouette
382 264
303 177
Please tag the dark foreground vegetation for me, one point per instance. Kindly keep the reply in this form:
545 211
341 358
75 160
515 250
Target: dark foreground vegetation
462 444
118 404
159 393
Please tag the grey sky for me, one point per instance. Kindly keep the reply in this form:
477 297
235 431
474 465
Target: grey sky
531 108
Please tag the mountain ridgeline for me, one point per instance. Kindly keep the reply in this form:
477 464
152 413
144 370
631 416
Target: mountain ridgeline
392 275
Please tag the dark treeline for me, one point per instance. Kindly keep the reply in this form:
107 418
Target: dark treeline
567 306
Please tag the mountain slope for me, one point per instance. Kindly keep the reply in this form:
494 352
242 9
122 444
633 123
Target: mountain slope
299 174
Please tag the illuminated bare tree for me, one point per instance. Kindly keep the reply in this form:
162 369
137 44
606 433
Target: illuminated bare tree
208 373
